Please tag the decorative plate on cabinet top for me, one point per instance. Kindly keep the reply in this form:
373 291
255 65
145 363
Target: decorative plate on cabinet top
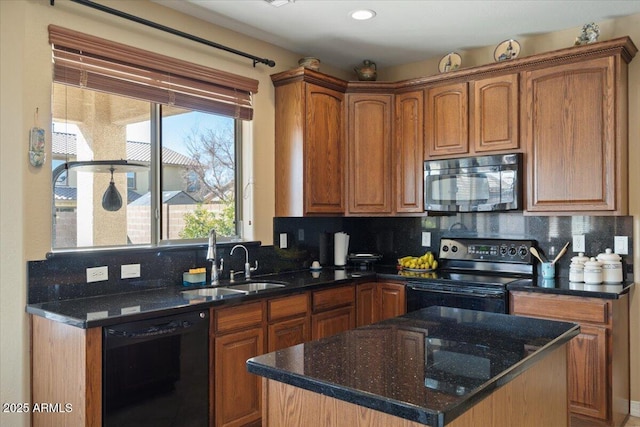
450 62
508 49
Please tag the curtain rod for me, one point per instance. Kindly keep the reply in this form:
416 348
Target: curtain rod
255 59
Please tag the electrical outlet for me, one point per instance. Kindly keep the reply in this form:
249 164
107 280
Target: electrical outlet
97 274
426 238
621 245
301 234
129 271
578 243
283 241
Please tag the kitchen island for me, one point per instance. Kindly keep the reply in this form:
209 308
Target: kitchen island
437 366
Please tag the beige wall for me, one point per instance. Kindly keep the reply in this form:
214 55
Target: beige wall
25 79
626 26
25 217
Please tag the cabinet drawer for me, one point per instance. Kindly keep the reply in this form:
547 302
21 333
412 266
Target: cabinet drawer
332 298
575 309
280 308
238 317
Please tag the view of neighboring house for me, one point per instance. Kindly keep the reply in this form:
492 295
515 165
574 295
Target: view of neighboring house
180 192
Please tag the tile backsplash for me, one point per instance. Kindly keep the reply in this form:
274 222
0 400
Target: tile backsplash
63 275
399 236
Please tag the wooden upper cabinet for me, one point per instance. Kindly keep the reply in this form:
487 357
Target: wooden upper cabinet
324 151
447 120
309 144
571 133
408 152
566 110
478 116
369 143
493 115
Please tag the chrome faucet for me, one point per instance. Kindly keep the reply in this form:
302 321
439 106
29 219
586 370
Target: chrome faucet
247 268
212 256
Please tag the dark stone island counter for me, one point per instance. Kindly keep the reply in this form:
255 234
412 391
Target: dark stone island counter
430 367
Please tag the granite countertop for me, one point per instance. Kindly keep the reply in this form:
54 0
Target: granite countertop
464 356
158 300
117 308
562 286
559 285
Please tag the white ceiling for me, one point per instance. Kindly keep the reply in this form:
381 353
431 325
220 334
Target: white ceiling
403 31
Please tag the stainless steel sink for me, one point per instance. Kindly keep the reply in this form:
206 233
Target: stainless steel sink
216 293
256 286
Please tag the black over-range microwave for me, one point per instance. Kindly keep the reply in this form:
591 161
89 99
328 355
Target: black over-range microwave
474 184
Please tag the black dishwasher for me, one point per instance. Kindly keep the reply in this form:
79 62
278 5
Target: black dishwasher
156 372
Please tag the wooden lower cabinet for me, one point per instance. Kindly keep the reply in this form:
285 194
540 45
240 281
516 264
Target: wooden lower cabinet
67 361
333 311
366 303
239 335
587 363
66 368
332 322
392 298
289 321
377 301
288 333
597 359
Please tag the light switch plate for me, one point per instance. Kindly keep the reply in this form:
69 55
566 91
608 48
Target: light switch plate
129 271
621 245
301 234
578 243
426 238
97 274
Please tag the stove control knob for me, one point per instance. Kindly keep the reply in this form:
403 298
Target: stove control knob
523 251
445 248
512 251
454 249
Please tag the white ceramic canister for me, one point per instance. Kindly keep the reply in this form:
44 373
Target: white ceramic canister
593 272
576 272
576 269
611 266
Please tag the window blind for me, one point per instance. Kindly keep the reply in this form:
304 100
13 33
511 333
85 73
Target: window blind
91 62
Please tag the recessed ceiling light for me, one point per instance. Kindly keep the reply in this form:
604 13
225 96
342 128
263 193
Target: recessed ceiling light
362 14
278 3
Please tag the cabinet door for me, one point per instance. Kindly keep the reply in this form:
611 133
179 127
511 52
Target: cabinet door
323 151
369 154
447 120
494 114
569 128
587 362
237 392
332 322
288 333
408 152
367 307
392 300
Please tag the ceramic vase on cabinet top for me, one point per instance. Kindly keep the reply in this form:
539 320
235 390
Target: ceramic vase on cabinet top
367 71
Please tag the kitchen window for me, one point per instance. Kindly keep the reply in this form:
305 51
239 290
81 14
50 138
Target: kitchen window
149 156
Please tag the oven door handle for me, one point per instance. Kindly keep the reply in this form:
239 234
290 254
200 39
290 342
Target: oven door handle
494 294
